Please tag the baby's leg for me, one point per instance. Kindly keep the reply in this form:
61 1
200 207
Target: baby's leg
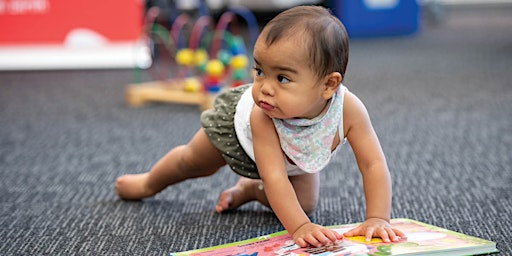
198 158
244 191
306 188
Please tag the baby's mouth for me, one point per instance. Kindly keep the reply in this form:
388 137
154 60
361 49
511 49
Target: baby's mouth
266 106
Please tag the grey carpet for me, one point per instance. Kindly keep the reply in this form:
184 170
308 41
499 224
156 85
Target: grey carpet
441 102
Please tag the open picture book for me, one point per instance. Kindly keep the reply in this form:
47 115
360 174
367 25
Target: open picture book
422 239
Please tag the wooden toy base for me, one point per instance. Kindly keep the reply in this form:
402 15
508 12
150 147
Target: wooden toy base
165 91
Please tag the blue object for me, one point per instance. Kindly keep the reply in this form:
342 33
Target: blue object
251 20
213 88
373 18
237 45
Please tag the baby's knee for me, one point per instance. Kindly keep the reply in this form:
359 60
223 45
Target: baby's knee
191 164
307 190
309 206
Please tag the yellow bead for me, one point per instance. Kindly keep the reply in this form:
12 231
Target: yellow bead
185 57
192 84
239 61
200 57
215 68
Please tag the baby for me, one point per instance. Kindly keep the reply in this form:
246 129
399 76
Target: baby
280 131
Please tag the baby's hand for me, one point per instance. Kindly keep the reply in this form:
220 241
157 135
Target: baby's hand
315 235
375 227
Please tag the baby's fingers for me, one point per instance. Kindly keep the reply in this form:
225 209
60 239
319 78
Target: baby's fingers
369 234
301 242
322 237
357 231
399 233
389 234
384 235
392 234
333 235
312 240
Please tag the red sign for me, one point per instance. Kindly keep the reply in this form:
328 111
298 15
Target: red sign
59 21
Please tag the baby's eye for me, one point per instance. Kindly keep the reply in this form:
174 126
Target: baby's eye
258 72
282 79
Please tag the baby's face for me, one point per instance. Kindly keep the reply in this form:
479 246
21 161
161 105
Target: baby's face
284 84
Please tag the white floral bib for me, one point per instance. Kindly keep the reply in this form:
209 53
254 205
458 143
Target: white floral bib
308 142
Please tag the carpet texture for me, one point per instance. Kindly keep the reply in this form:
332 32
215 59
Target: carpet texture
440 101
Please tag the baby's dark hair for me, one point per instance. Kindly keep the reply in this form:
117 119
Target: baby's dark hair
324 35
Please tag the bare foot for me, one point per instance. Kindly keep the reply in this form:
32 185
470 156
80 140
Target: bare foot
244 191
132 187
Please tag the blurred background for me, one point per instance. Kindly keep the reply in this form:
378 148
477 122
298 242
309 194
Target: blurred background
435 76
57 34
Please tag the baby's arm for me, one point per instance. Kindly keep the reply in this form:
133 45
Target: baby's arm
278 188
374 169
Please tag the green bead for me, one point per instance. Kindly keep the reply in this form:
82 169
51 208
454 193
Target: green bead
224 56
239 74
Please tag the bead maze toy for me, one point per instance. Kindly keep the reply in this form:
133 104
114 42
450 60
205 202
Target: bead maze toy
215 59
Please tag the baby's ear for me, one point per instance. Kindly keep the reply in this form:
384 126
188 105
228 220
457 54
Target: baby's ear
331 83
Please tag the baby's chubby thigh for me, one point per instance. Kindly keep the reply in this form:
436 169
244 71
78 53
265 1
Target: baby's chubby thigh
307 188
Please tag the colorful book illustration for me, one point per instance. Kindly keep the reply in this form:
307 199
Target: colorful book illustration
422 239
